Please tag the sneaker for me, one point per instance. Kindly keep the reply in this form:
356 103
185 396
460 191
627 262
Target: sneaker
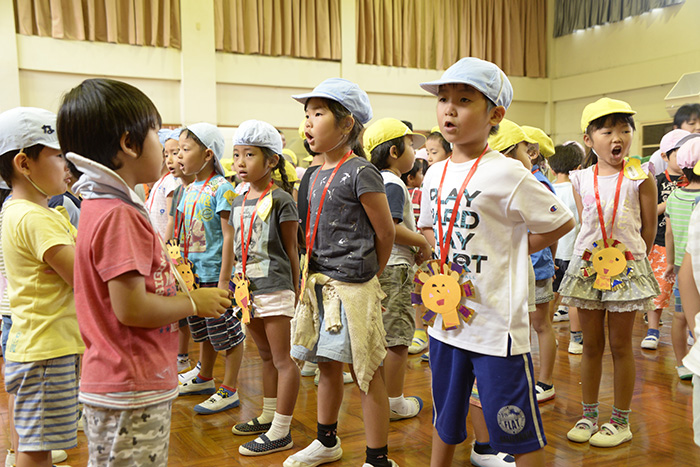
183 365
684 373
347 377
582 431
56 456
610 436
416 404
500 459
309 369
575 348
650 342
253 427
393 464
418 345
690 340
193 388
544 395
315 454
253 448
218 402
561 314
425 357
189 375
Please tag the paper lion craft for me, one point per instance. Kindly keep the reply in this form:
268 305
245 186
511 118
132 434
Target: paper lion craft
240 287
441 292
182 265
608 264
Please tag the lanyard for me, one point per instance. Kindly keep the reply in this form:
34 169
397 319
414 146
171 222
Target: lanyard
188 232
246 243
601 218
311 238
154 191
444 242
668 177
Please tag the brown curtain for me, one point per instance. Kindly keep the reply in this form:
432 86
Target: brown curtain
293 28
434 34
137 22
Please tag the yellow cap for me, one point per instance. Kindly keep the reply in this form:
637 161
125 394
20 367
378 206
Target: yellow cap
509 134
435 129
289 169
308 158
292 155
302 129
386 129
227 164
544 141
601 107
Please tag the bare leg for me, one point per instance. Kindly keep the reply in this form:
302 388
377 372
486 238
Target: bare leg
620 326
442 453
33 459
183 345
232 366
654 317
375 411
530 459
330 392
679 337
207 357
593 326
14 437
256 328
545 334
481 432
574 323
395 369
277 330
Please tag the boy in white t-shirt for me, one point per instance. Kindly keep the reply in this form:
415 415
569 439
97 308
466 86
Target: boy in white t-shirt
488 236
567 157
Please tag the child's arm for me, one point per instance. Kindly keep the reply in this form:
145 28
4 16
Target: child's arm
648 198
226 252
289 231
579 204
376 206
429 235
670 251
404 236
136 307
170 228
660 208
536 242
61 259
690 298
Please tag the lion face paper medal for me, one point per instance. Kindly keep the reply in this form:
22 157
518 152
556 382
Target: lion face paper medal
183 266
442 285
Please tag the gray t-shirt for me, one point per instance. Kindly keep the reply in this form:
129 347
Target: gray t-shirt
344 246
268 266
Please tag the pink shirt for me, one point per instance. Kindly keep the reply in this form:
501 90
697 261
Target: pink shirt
113 239
628 221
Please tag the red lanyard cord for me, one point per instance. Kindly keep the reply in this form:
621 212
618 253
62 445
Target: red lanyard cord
188 231
246 243
444 242
601 218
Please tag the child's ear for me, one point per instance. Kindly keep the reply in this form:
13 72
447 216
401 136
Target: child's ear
21 163
273 161
126 145
208 154
394 152
496 115
348 123
587 140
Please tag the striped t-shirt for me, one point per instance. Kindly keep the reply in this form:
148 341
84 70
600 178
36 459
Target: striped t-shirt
679 207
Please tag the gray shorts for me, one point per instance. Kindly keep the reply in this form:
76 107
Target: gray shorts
543 291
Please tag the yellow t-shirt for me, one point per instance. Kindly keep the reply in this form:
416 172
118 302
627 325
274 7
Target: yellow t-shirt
44 324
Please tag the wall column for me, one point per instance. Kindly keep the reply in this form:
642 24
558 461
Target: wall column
9 65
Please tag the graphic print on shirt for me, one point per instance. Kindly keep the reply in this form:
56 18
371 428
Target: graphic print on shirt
259 239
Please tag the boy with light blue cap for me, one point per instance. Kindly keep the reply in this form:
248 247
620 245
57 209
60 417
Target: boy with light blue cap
486 203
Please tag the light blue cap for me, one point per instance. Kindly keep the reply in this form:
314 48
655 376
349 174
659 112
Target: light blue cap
346 93
484 76
259 134
211 137
163 135
173 134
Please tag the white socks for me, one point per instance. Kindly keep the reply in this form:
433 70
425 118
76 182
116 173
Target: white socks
279 429
399 405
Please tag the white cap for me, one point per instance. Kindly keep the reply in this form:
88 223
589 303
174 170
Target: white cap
259 134
211 137
23 127
346 93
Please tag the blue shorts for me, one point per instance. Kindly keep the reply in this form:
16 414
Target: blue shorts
224 332
6 325
506 390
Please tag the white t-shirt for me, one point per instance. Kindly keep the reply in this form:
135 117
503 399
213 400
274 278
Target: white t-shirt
692 360
565 247
400 254
501 203
157 202
658 162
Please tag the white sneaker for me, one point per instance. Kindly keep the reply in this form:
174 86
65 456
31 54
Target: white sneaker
544 395
415 403
315 454
500 459
309 369
575 348
56 457
684 373
193 388
218 402
691 341
347 377
650 342
183 365
189 375
393 464
562 314
418 345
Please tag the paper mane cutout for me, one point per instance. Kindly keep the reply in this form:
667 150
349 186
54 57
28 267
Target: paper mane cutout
182 265
608 264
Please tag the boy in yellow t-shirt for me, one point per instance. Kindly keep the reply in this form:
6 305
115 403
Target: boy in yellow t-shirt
37 259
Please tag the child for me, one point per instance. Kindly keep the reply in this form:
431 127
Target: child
160 196
679 206
339 317
266 247
512 141
540 151
124 284
208 243
437 146
666 182
567 157
687 118
391 143
42 347
500 203
604 194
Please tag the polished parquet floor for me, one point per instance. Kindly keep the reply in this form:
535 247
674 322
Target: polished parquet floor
661 417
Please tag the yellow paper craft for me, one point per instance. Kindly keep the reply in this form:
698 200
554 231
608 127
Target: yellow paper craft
240 286
184 267
633 169
265 207
441 292
609 264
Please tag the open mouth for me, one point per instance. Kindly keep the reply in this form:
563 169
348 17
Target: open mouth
605 271
616 151
441 302
448 125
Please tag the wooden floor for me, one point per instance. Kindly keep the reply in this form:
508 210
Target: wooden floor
661 417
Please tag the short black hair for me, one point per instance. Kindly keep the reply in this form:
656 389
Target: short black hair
380 154
686 112
408 124
566 157
7 167
95 115
437 136
690 175
419 165
190 135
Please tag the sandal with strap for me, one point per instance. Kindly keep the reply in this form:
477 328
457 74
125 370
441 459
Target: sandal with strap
582 431
610 436
253 448
253 427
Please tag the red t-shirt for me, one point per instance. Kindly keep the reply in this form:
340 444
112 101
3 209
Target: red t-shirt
113 239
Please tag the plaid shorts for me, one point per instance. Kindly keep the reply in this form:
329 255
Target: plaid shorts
398 317
224 332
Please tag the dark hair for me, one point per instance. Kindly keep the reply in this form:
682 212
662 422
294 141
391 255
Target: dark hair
419 165
96 114
73 169
380 154
285 184
684 113
195 138
308 149
408 124
600 122
437 136
340 113
690 175
566 157
7 167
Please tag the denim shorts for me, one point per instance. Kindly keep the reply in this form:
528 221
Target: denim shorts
6 325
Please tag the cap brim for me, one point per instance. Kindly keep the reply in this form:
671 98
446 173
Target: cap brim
302 98
418 140
52 145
